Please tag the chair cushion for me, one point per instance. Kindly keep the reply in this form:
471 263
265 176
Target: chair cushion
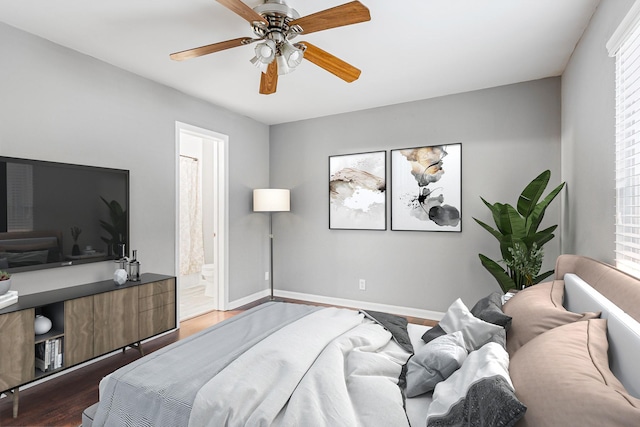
564 379
538 309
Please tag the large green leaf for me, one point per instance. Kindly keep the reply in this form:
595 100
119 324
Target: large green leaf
541 237
534 220
495 233
491 207
511 222
509 241
532 193
498 272
495 210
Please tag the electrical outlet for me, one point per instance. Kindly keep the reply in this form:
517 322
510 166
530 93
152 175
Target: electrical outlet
266 275
363 285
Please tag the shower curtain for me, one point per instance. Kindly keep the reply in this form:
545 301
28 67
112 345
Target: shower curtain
191 239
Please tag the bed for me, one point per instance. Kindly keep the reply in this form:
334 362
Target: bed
531 362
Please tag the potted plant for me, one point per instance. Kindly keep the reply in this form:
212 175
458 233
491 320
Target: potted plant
5 282
517 232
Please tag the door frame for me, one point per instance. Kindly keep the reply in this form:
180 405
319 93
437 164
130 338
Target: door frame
220 205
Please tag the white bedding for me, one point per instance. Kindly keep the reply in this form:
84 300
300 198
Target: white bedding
345 364
344 373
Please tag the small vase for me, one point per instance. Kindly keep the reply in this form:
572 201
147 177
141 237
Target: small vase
42 325
75 250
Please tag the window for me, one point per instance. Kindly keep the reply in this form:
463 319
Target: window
625 46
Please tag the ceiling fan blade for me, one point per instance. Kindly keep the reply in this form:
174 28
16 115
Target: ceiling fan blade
332 64
346 14
210 48
240 8
269 80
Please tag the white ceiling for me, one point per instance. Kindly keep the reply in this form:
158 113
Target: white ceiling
410 50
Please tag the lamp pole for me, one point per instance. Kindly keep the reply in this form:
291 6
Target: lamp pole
271 200
271 253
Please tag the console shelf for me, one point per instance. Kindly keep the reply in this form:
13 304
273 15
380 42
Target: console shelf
52 334
88 321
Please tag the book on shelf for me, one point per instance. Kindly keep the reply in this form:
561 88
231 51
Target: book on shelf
11 297
49 354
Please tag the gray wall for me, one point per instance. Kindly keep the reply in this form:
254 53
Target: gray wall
60 105
588 138
57 104
509 135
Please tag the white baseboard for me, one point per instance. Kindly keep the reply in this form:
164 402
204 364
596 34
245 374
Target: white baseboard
393 309
232 305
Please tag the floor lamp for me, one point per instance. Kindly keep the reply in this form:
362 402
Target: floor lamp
271 200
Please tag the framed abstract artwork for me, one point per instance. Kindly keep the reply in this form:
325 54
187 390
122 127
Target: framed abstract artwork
426 188
358 191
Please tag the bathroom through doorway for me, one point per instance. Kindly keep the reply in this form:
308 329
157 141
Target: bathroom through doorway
200 221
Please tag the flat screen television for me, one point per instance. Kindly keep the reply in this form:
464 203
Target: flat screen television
57 214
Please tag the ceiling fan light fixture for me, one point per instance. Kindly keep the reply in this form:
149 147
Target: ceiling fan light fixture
275 24
265 52
283 68
292 54
259 64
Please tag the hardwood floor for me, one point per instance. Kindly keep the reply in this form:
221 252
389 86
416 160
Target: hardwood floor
60 401
194 302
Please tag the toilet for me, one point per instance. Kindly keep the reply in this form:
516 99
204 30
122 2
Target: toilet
208 276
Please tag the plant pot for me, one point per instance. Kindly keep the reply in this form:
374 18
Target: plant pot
5 285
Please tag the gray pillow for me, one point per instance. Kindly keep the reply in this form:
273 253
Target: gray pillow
433 333
500 338
435 362
489 309
476 332
397 325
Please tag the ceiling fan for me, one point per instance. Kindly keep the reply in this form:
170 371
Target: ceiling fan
275 24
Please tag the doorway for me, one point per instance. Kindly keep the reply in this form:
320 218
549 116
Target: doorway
201 226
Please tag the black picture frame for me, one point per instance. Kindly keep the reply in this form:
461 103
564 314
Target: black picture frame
426 188
358 191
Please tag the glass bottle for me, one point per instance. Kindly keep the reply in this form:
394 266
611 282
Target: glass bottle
134 267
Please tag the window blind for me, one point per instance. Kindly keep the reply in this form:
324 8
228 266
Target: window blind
627 150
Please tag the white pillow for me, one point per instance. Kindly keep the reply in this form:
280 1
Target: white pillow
475 332
435 362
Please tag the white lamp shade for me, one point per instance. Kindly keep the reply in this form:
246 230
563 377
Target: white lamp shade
271 200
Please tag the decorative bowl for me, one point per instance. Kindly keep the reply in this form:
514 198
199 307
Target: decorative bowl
5 285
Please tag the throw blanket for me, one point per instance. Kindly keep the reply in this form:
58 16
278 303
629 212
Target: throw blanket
280 364
159 389
331 368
